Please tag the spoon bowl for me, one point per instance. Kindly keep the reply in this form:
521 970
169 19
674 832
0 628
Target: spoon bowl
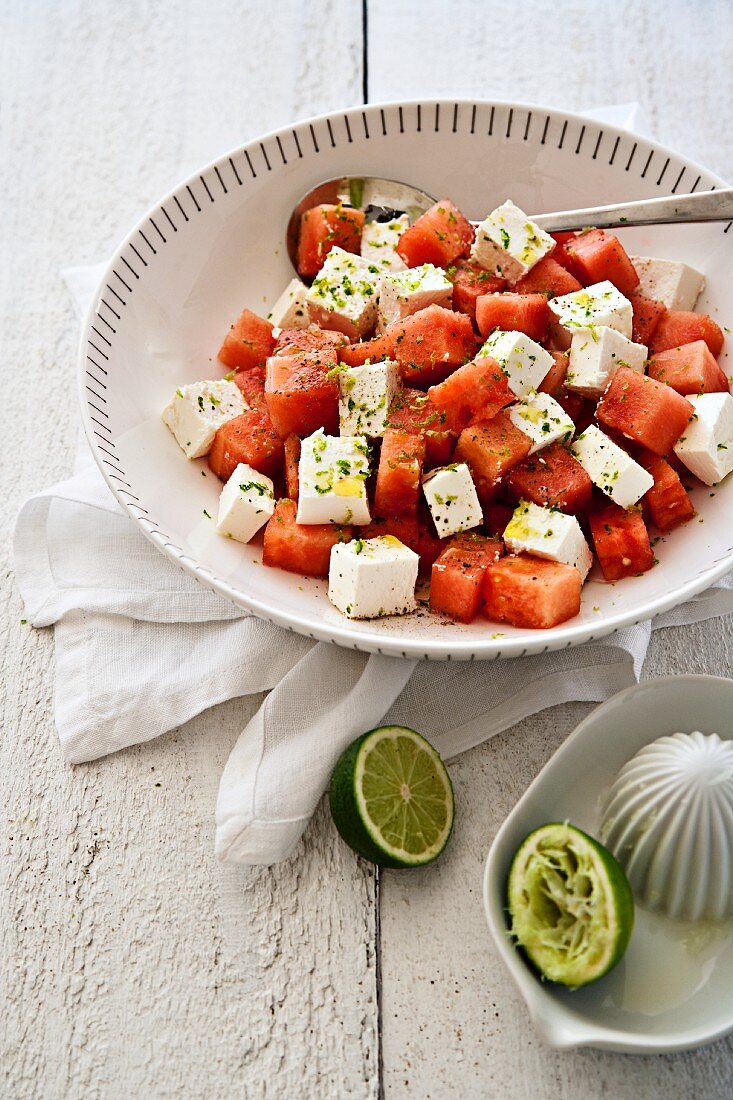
380 199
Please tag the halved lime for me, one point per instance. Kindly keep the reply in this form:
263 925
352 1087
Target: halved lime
571 906
391 798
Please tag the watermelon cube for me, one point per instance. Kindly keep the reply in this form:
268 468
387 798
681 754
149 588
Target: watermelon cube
476 391
647 313
554 384
417 532
596 256
291 462
531 592
527 313
491 448
429 545
584 416
497 516
474 542
439 236
470 280
428 345
397 491
559 252
678 327
666 504
431 343
553 478
457 576
297 547
251 383
412 411
249 438
248 342
301 395
323 228
621 541
644 410
355 355
689 369
313 338
547 277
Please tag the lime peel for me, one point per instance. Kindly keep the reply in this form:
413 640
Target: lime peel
570 904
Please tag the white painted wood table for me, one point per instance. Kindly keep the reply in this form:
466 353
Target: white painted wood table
132 964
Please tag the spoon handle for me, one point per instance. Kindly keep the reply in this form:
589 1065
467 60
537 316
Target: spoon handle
705 206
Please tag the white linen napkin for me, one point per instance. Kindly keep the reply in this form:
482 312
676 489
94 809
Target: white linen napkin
141 647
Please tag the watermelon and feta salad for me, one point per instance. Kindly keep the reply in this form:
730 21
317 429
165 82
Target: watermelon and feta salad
489 408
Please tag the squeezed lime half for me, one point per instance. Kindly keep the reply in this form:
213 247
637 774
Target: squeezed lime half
391 798
570 903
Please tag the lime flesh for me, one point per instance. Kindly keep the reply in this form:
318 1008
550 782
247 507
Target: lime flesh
570 903
391 798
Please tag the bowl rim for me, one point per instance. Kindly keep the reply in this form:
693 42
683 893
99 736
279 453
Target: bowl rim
559 1025
350 635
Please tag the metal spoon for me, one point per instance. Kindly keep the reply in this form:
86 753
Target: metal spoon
383 199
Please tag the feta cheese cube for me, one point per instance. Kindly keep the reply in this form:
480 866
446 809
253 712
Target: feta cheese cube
610 468
508 243
198 410
452 499
246 503
369 578
596 355
344 294
365 395
290 310
332 475
594 307
523 361
706 448
676 284
379 243
541 418
404 292
548 533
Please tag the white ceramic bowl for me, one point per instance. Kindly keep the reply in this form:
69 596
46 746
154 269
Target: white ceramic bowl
673 990
216 244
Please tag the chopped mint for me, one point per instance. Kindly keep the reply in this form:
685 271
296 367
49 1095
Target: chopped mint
257 487
356 193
